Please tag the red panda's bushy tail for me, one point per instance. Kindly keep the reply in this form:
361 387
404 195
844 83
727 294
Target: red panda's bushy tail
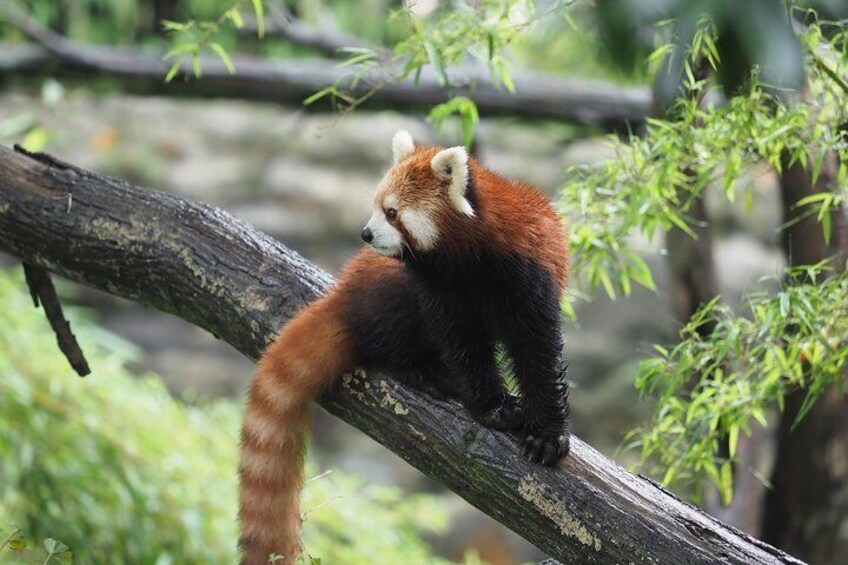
309 353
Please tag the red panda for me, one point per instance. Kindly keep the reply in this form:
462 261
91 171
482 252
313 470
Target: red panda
460 259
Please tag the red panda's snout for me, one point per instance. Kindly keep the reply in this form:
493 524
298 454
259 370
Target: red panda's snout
382 235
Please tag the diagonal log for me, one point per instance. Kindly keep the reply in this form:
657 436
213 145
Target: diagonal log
204 265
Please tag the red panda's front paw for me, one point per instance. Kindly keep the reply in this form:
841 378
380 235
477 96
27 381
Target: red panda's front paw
508 416
546 447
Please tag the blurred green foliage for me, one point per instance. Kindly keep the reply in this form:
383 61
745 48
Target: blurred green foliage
654 179
713 387
122 472
750 35
792 340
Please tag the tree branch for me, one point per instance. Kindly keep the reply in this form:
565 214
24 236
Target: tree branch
214 270
538 96
42 291
327 40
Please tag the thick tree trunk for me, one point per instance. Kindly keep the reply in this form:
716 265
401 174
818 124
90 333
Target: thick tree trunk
202 264
806 511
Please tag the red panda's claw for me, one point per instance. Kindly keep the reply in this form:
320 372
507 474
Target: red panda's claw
545 449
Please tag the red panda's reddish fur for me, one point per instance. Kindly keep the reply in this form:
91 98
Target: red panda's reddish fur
513 216
308 353
314 348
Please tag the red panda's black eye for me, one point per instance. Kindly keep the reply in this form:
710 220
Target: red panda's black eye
391 213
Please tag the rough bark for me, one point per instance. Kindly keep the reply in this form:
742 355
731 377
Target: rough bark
806 511
206 266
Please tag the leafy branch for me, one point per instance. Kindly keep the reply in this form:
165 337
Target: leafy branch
716 386
653 179
785 342
192 37
480 32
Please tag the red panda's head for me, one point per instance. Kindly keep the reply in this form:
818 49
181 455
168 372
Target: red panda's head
423 192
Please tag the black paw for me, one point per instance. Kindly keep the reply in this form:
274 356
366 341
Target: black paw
507 417
546 448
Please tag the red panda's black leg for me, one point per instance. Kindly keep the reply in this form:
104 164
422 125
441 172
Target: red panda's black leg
431 378
467 352
534 341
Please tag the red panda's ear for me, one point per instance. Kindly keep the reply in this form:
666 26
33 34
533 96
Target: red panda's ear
402 145
452 165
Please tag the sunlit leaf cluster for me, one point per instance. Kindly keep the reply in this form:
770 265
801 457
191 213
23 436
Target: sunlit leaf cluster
653 179
716 384
472 36
192 37
482 30
719 386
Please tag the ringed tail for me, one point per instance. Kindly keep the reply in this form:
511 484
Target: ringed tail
310 352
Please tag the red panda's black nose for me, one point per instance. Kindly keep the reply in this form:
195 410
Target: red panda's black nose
367 236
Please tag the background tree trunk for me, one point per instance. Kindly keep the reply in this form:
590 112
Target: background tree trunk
806 511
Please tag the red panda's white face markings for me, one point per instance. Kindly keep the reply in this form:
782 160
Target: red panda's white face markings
421 186
386 238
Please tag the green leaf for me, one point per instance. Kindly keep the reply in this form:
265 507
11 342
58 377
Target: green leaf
225 58
356 59
50 545
726 486
467 123
826 227
175 68
490 45
808 403
607 284
16 125
356 50
813 198
195 65
733 440
506 78
173 26
435 59
319 95
260 19
678 221
235 16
